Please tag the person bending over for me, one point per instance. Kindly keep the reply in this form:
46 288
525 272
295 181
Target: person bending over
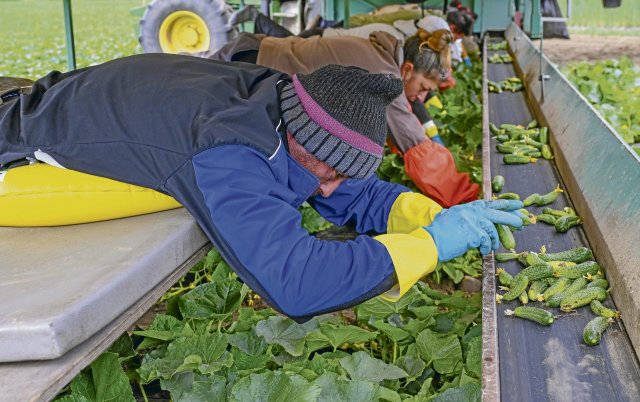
241 147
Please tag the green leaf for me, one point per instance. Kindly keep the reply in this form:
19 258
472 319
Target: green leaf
312 220
414 366
248 342
380 308
248 317
361 366
123 347
474 357
110 381
338 335
337 389
82 386
73 398
213 301
205 354
394 333
163 328
190 387
464 393
442 349
274 386
285 332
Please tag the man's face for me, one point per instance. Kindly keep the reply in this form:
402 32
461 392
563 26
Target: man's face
417 86
329 178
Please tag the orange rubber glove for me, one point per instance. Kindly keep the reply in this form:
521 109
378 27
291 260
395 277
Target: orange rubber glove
433 170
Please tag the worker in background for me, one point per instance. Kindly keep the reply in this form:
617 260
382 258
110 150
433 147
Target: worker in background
421 63
241 147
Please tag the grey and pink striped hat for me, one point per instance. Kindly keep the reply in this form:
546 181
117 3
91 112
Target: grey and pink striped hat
337 114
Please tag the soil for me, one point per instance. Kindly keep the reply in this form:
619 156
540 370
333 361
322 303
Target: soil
591 48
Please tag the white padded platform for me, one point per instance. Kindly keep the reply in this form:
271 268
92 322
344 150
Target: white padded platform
62 285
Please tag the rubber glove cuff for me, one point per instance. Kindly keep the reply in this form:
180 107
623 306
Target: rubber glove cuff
437 139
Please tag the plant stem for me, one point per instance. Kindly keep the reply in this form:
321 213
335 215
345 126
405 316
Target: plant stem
144 394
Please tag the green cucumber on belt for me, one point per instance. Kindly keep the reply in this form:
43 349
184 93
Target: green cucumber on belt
495 130
533 199
536 289
535 314
556 300
537 272
599 309
518 285
497 183
504 277
592 333
582 298
576 271
543 135
566 222
558 287
508 196
532 124
517 159
601 283
545 199
546 218
502 257
577 255
503 137
524 299
533 259
554 212
506 236
546 152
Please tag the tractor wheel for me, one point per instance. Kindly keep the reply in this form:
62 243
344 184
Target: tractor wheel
185 26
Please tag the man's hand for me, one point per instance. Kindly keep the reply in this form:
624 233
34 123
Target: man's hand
462 227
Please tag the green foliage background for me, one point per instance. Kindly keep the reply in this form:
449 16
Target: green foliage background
32 34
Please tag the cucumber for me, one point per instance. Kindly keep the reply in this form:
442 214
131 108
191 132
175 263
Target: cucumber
533 199
582 298
546 152
497 183
534 143
495 130
502 257
566 222
601 283
532 124
543 135
511 127
506 149
556 300
554 212
518 285
524 299
549 197
533 154
504 277
560 264
577 255
506 237
533 259
508 196
537 272
536 289
546 218
592 333
542 317
599 309
503 137
569 211
576 271
517 159
558 287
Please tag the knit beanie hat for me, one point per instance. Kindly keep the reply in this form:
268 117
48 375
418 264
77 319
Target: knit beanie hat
337 114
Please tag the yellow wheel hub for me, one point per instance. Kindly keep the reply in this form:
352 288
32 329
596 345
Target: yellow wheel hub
184 31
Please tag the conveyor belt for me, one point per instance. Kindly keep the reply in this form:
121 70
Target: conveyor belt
538 363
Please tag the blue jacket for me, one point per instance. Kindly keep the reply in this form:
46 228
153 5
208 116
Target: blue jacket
206 133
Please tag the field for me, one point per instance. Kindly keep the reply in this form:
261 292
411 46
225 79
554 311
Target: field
32 34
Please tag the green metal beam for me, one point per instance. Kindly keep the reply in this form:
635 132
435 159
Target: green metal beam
68 27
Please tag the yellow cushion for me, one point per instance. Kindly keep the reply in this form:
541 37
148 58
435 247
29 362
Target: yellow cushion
44 195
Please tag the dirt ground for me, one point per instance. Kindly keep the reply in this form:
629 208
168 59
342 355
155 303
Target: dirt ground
591 48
